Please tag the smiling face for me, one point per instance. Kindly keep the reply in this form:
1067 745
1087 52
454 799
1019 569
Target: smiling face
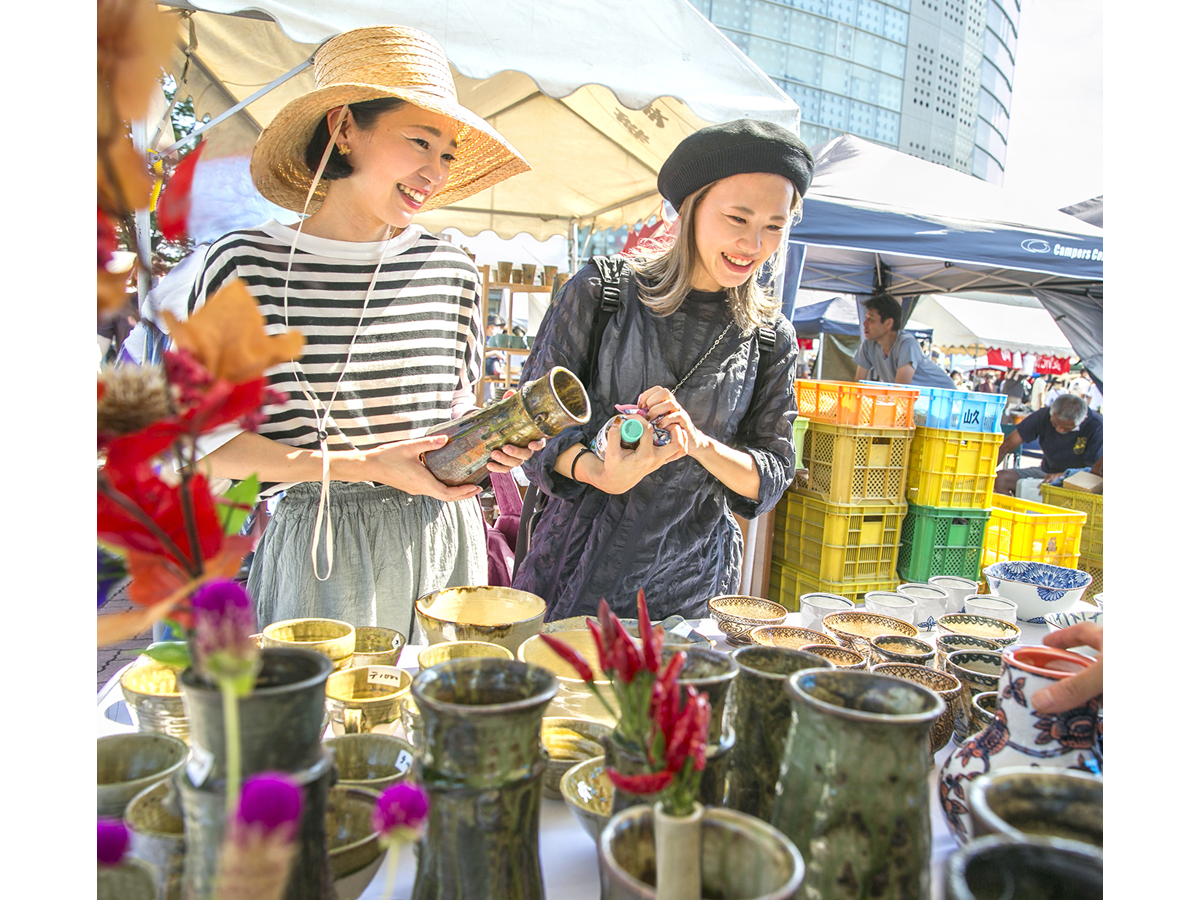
739 224
398 163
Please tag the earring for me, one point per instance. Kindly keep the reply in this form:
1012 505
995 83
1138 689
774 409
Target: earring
343 149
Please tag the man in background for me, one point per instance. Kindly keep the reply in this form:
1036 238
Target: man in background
887 354
1070 436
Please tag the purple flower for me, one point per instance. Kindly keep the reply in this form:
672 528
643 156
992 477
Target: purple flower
112 840
401 811
224 621
270 800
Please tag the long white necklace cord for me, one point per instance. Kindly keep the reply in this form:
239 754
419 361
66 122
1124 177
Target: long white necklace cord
323 416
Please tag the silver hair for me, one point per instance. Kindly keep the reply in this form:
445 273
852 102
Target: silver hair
670 274
1071 408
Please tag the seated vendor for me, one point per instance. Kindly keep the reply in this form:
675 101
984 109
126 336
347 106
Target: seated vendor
888 354
1071 437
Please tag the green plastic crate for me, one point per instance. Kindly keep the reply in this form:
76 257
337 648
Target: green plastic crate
939 541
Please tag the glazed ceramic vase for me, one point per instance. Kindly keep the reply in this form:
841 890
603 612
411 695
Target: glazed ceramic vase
1018 735
281 724
539 409
740 856
854 785
761 713
480 760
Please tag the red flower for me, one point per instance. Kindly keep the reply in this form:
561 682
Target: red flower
175 202
688 737
606 662
648 783
651 642
571 655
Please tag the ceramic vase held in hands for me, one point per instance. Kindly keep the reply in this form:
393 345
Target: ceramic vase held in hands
853 788
1020 736
539 409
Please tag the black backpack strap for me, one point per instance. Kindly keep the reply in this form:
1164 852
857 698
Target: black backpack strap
766 343
612 271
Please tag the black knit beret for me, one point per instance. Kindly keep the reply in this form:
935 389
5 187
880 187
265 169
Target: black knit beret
734 148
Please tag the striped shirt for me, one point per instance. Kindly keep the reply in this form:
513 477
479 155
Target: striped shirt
418 350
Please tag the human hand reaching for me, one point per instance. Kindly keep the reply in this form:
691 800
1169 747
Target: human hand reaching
665 410
399 465
1081 687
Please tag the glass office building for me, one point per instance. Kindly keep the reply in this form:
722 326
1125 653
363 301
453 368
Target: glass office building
932 78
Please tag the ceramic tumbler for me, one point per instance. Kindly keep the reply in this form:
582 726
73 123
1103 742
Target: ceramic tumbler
816 606
957 587
890 603
933 602
366 699
376 646
503 272
991 605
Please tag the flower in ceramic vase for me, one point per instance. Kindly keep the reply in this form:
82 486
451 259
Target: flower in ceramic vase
1020 735
222 646
112 840
400 816
632 670
260 839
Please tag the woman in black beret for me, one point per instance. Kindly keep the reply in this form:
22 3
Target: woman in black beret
698 345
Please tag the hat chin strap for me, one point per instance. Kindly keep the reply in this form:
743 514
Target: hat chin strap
323 415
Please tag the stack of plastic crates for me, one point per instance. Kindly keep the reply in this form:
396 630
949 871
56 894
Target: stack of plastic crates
951 473
1091 543
839 531
1036 532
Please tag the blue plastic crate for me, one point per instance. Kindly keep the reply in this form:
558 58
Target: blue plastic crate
956 410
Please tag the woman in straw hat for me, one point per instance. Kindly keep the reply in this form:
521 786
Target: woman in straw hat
393 322
690 345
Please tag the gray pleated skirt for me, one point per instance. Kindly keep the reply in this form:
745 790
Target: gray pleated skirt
389 548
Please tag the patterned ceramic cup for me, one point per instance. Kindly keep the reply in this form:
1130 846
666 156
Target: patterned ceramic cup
932 603
957 587
816 606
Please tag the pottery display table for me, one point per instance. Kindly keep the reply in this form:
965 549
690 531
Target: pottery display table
570 867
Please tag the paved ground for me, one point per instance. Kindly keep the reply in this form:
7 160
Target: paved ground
109 660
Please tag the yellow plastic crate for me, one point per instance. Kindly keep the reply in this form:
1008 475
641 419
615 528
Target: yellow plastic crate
1094 567
788 583
1027 531
856 404
838 542
856 465
952 469
1092 545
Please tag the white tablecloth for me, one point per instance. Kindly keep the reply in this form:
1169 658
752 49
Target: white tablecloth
570 868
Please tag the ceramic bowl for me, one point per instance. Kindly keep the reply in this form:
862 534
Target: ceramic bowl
979 670
995 630
127 764
789 636
349 830
736 615
152 694
376 646
589 794
854 630
366 699
1059 620
569 742
156 836
1041 802
897 648
1036 868
372 761
498 615
1098 599
946 686
1037 588
439 653
948 643
842 657
983 710
537 652
329 637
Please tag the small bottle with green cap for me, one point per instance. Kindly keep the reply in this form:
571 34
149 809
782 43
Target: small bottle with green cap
631 433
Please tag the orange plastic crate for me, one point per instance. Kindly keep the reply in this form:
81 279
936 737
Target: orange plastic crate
1026 531
852 403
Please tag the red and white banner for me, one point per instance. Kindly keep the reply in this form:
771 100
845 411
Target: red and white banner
1052 365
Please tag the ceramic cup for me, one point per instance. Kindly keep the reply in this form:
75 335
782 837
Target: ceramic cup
932 602
815 607
549 273
991 605
372 761
439 653
503 272
376 646
957 587
329 637
366 699
890 603
528 272
127 764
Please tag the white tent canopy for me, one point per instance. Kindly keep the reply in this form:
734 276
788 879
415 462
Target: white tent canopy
594 98
974 322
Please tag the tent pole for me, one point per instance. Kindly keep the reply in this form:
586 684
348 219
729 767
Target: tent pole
820 354
574 248
141 218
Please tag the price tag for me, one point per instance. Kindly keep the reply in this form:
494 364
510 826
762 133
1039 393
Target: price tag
199 765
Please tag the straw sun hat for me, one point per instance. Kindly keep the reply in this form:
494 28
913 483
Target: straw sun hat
367 64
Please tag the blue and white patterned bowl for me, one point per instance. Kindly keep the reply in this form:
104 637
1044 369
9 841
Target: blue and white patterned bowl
1037 588
1055 621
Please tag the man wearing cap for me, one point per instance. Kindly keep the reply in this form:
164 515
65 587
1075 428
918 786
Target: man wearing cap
892 356
1070 436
